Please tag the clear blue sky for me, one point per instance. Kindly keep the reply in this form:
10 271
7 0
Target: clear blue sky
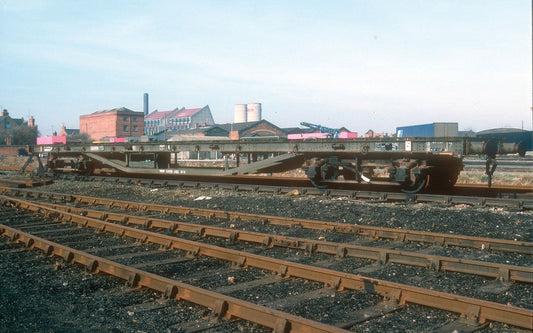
359 64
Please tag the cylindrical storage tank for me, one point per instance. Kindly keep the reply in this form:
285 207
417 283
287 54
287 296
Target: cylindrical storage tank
240 113
254 111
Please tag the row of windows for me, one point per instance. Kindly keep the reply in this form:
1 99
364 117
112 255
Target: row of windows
134 119
125 128
148 130
173 121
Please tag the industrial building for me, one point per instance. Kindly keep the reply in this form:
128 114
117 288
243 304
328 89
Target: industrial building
433 130
118 122
261 128
514 135
177 119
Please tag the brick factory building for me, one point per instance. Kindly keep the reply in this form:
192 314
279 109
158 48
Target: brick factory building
113 123
177 119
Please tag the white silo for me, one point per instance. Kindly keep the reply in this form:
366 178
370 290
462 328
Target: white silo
240 113
254 111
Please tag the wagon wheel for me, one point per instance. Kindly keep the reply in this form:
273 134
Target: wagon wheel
443 179
318 185
316 173
421 182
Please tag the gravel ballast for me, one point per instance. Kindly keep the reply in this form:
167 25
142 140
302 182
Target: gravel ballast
69 300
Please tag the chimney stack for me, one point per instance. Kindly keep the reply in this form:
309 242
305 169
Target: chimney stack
145 105
32 122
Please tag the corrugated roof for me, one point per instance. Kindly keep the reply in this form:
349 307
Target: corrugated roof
157 115
189 130
114 110
186 113
297 130
238 126
501 130
176 113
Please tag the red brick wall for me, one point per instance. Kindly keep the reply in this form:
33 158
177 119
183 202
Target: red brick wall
97 126
111 124
131 122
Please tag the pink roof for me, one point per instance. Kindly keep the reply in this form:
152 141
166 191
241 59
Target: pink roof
157 115
183 113
186 113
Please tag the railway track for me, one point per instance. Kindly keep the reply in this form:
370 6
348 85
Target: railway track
500 196
393 296
397 235
502 272
480 195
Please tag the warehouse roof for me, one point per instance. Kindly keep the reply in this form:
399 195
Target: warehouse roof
501 130
122 109
176 113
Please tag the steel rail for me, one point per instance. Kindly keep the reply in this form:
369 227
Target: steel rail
222 306
364 192
354 229
479 310
302 182
501 272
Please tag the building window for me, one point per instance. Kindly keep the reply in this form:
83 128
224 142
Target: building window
135 128
134 119
125 118
125 128
8 124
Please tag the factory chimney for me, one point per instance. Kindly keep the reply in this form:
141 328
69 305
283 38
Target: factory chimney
145 104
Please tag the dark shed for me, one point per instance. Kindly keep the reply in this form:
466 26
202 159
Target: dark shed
515 135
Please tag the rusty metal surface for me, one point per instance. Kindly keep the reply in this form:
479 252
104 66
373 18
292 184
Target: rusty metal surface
501 272
362 230
18 182
222 306
481 310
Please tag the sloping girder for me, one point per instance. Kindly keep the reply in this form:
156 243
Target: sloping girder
278 163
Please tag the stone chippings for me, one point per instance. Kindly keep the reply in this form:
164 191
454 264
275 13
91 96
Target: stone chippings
35 297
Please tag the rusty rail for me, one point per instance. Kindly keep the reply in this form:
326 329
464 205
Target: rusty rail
497 196
222 306
501 272
481 311
354 229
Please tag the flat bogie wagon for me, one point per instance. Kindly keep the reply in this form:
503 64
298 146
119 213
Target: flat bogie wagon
413 163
